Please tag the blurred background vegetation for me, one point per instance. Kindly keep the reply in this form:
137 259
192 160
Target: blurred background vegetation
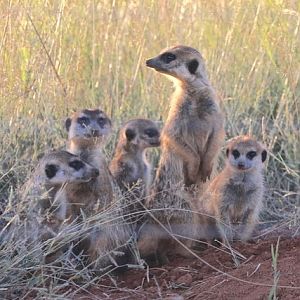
58 56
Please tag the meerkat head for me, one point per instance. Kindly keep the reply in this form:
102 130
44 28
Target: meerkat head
88 123
183 63
141 133
245 154
58 167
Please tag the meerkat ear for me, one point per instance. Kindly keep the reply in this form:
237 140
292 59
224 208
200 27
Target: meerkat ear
130 134
68 124
264 155
227 152
51 171
192 66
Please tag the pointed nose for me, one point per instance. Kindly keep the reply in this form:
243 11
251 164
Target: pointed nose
241 165
95 133
150 63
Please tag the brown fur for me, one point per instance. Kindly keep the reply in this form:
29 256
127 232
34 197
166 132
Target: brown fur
96 200
190 140
44 194
129 166
96 194
235 197
87 142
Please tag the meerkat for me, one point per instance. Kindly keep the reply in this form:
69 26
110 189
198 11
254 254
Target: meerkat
87 133
190 141
235 197
194 130
130 166
44 194
96 200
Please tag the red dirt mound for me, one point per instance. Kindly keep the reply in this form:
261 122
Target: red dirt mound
252 278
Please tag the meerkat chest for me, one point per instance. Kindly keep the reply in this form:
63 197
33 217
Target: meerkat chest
237 198
52 209
146 170
236 212
188 127
241 188
187 117
136 170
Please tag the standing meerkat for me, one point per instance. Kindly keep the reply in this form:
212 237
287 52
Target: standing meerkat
190 141
44 194
130 166
87 133
194 130
235 196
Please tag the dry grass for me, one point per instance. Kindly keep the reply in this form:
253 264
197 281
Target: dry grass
57 56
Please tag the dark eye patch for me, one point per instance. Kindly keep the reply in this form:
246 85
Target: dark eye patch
83 121
101 121
251 154
151 132
51 170
167 57
76 164
235 153
130 134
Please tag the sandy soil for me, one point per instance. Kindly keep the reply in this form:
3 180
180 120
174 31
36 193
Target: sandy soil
251 279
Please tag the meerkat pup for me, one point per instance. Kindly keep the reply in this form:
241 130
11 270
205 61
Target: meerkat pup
235 196
87 133
190 141
96 200
44 195
130 166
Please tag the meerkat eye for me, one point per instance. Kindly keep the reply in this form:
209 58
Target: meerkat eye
84 121
51 170
251 154
151 132
101 121
130 134
168 57
235 153
76 164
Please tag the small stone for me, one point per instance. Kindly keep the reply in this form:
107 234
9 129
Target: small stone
152 289
186 279
174 297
